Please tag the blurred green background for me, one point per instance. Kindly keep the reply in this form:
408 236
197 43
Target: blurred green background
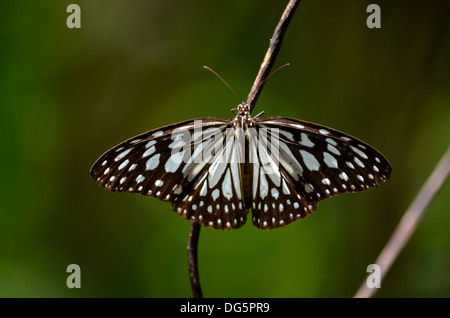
68 95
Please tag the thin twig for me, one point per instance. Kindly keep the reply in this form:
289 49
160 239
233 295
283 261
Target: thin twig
192 260
272 52
408 222
264 72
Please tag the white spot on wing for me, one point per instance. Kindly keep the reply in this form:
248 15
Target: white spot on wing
150 143
285 188
263 186
343 176
123 154
275 193
235 170
140 178
216 171
215 194
359 152
135 141
226 185
309 160
174 162
305 141
255 160
331 141
153 162
329 160
204 189
333 149
148 152
123 164
358 162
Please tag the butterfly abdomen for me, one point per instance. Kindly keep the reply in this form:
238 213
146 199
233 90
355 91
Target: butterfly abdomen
247 175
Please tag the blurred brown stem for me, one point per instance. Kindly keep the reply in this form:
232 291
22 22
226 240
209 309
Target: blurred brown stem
192 260
272 52
409 222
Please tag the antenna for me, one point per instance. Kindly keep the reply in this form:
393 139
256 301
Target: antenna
212 71
282 66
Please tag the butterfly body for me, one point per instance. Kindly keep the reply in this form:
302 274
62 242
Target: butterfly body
214 170
241 123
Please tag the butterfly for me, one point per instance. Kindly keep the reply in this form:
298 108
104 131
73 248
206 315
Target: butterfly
213 171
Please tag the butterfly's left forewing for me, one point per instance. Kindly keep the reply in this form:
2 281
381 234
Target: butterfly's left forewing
150 163
189 164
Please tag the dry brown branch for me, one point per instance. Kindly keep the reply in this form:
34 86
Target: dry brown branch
409 222
272 52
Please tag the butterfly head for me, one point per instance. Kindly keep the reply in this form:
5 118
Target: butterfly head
243 118
243 109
